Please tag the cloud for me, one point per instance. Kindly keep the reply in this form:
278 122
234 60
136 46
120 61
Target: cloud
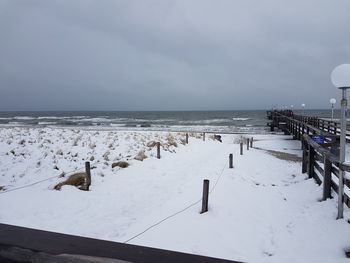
170 55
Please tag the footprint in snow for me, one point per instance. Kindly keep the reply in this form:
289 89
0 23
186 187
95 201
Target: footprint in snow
269 245
290 227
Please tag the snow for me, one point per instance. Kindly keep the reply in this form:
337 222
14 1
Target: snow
262 210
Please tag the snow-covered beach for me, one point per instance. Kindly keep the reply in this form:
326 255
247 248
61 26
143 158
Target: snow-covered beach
262 210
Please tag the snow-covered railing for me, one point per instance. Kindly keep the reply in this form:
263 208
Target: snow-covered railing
300 124
320 161
322 165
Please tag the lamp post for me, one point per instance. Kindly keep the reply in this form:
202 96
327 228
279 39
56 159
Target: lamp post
332 101
341 79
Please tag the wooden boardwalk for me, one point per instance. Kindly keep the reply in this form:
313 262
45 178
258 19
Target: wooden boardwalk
320 158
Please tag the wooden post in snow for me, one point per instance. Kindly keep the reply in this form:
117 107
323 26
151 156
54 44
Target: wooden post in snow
158 150
248 144
241 148
186 138
88 176
205 198
231 160
203 136
251 142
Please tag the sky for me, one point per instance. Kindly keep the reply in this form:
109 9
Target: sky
170 55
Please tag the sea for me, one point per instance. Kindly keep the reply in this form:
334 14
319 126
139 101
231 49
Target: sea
248 121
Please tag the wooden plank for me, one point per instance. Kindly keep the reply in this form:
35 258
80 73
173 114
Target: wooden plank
335 171
318 157
319 168
56 243
334 186
317 178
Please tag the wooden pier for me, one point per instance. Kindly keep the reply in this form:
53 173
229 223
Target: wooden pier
320 144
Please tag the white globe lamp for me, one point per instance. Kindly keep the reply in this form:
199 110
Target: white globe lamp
341 79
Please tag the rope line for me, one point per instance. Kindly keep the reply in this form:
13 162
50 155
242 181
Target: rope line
161 221
47 179
28 185
178 212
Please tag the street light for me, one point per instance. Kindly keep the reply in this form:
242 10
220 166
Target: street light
341 79
332 101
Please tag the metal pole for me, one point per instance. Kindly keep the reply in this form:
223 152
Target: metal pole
343 103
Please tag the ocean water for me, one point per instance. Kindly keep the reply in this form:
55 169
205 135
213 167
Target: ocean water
200 121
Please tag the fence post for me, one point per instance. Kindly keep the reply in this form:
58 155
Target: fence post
303 129
186 138
293 130
158 150
251 142
231 160
88 176
241 148
205 197
328 126
327 178
304 163
248 144
311 161
204 136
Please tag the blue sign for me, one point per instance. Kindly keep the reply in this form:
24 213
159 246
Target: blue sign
318 138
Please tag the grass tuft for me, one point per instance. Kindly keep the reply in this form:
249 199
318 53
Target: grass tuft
77 179
140 156
121 164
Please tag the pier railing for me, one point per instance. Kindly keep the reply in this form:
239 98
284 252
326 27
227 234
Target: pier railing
320 144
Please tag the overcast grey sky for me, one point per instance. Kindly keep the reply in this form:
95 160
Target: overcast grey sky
170 55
